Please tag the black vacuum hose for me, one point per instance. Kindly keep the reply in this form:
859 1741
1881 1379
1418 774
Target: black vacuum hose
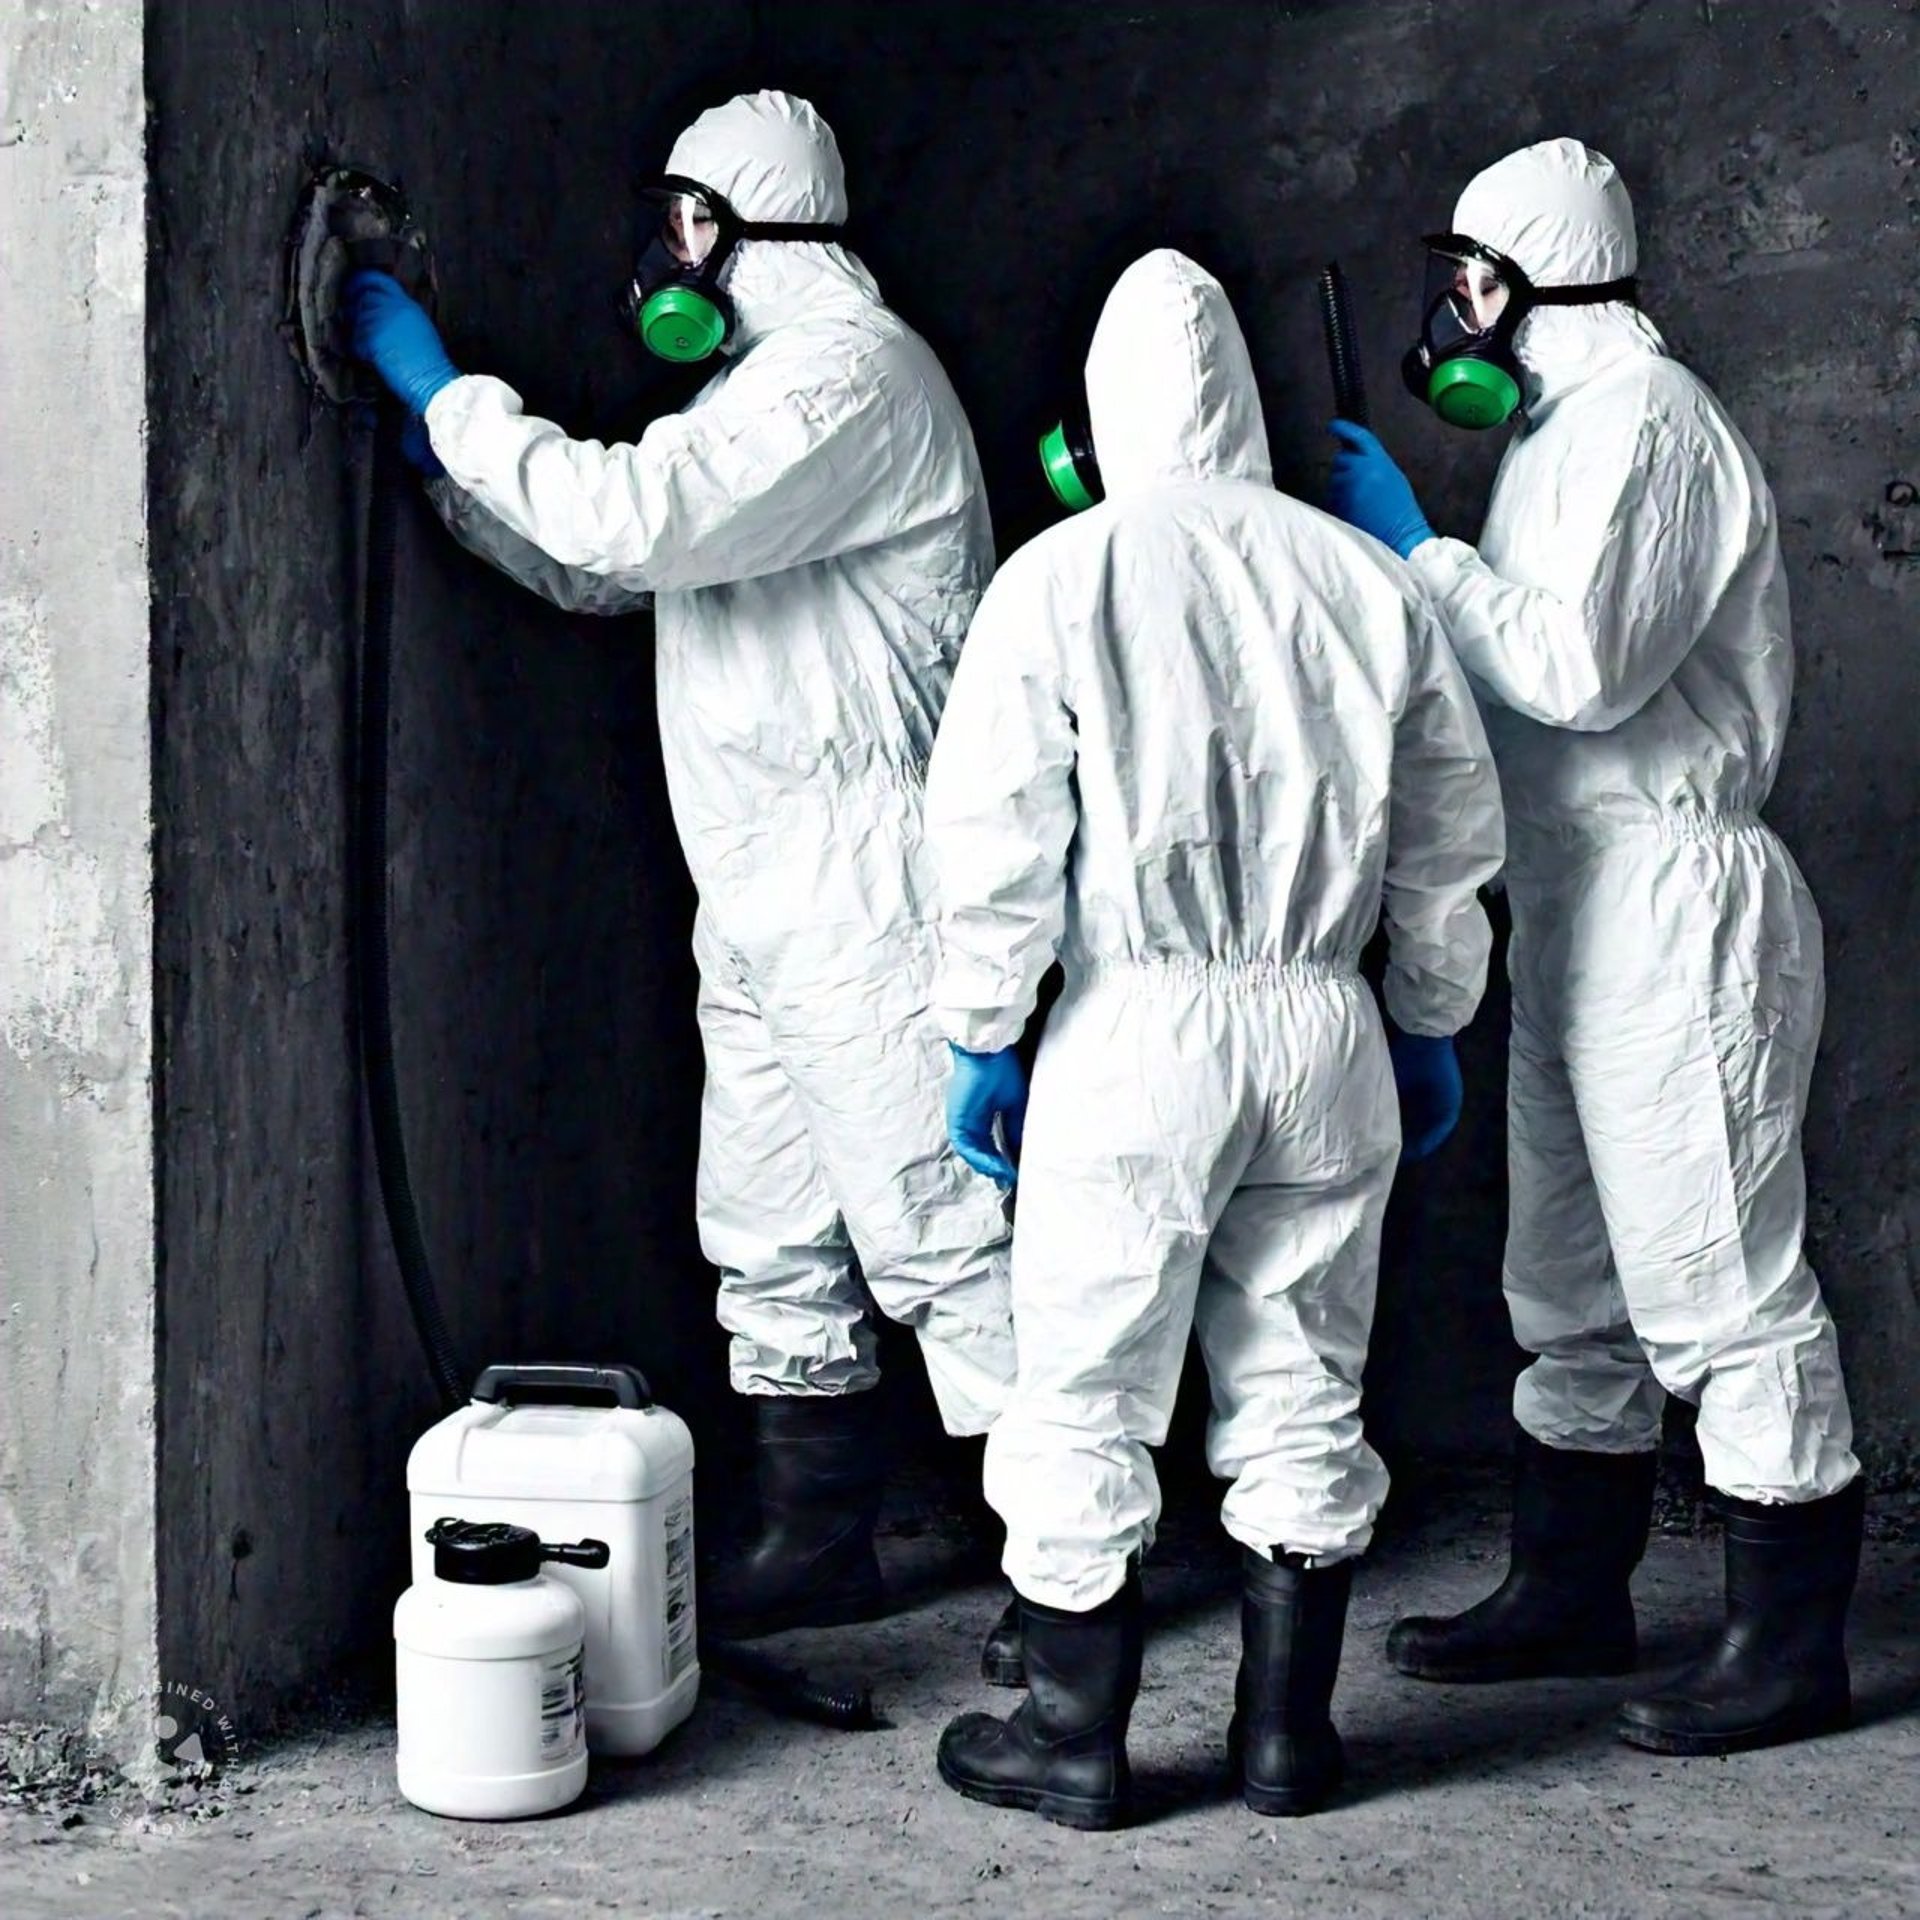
850 1709
371 899
1343 350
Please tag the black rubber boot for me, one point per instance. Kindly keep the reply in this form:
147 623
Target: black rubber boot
1779 1671
1580 1523
1063 1752
818 1468
1282 1744
1002 1662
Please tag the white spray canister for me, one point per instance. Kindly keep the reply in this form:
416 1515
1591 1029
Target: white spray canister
570 1450
488 1654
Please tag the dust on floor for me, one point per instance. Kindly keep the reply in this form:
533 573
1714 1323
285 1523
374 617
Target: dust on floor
1510 1800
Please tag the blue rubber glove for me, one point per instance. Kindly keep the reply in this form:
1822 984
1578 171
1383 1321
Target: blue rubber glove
392 333
1369 491
986 1087
1427 1073
416 447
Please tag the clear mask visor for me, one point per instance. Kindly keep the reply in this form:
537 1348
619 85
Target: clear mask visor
1465 297
687 227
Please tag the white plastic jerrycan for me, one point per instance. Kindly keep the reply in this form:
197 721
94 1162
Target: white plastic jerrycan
487 1662
573 1450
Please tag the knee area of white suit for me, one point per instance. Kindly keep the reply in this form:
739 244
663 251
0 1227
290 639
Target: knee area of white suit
920 1258
1070 1510
1589 1413
971 1383
1328 1516
970 1422
1758 1367
751 1259
803 1307
1078 1586
1556 1292
973 1290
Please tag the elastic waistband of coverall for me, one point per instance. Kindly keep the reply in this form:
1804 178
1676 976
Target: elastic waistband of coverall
1529 841
1251 975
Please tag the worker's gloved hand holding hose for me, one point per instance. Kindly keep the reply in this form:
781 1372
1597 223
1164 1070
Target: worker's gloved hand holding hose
1369 491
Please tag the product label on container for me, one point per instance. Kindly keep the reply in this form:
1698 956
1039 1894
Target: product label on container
677 1524
563 1721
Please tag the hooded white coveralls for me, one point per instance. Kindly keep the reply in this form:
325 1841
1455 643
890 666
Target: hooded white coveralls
1625 621
813 531
1200 735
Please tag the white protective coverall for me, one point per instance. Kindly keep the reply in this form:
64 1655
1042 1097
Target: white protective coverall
1625 621
813 532
1200 734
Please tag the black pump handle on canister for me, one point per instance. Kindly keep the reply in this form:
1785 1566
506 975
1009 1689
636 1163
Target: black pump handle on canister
564 1383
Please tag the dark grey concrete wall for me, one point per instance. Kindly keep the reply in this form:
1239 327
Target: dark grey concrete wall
1004 163
541 916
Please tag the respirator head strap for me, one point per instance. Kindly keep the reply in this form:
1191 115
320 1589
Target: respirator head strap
1524 293
822 230
733 226
1625 289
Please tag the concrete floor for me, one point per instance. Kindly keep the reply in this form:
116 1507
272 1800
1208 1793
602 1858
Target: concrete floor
1511 1800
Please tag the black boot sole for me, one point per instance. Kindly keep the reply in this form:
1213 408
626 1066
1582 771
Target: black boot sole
1494 1664
1281 1803
1598 1666
1810 1724
1063 1809
1286 1803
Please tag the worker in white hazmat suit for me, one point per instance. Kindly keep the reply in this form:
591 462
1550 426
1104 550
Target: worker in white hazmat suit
813 534
1201 736
1624 620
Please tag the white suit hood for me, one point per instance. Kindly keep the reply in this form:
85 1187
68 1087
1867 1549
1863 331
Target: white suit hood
1561 212
1203 724
770 156
1170 388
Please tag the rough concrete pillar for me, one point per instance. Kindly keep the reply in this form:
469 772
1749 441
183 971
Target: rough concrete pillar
77 1257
